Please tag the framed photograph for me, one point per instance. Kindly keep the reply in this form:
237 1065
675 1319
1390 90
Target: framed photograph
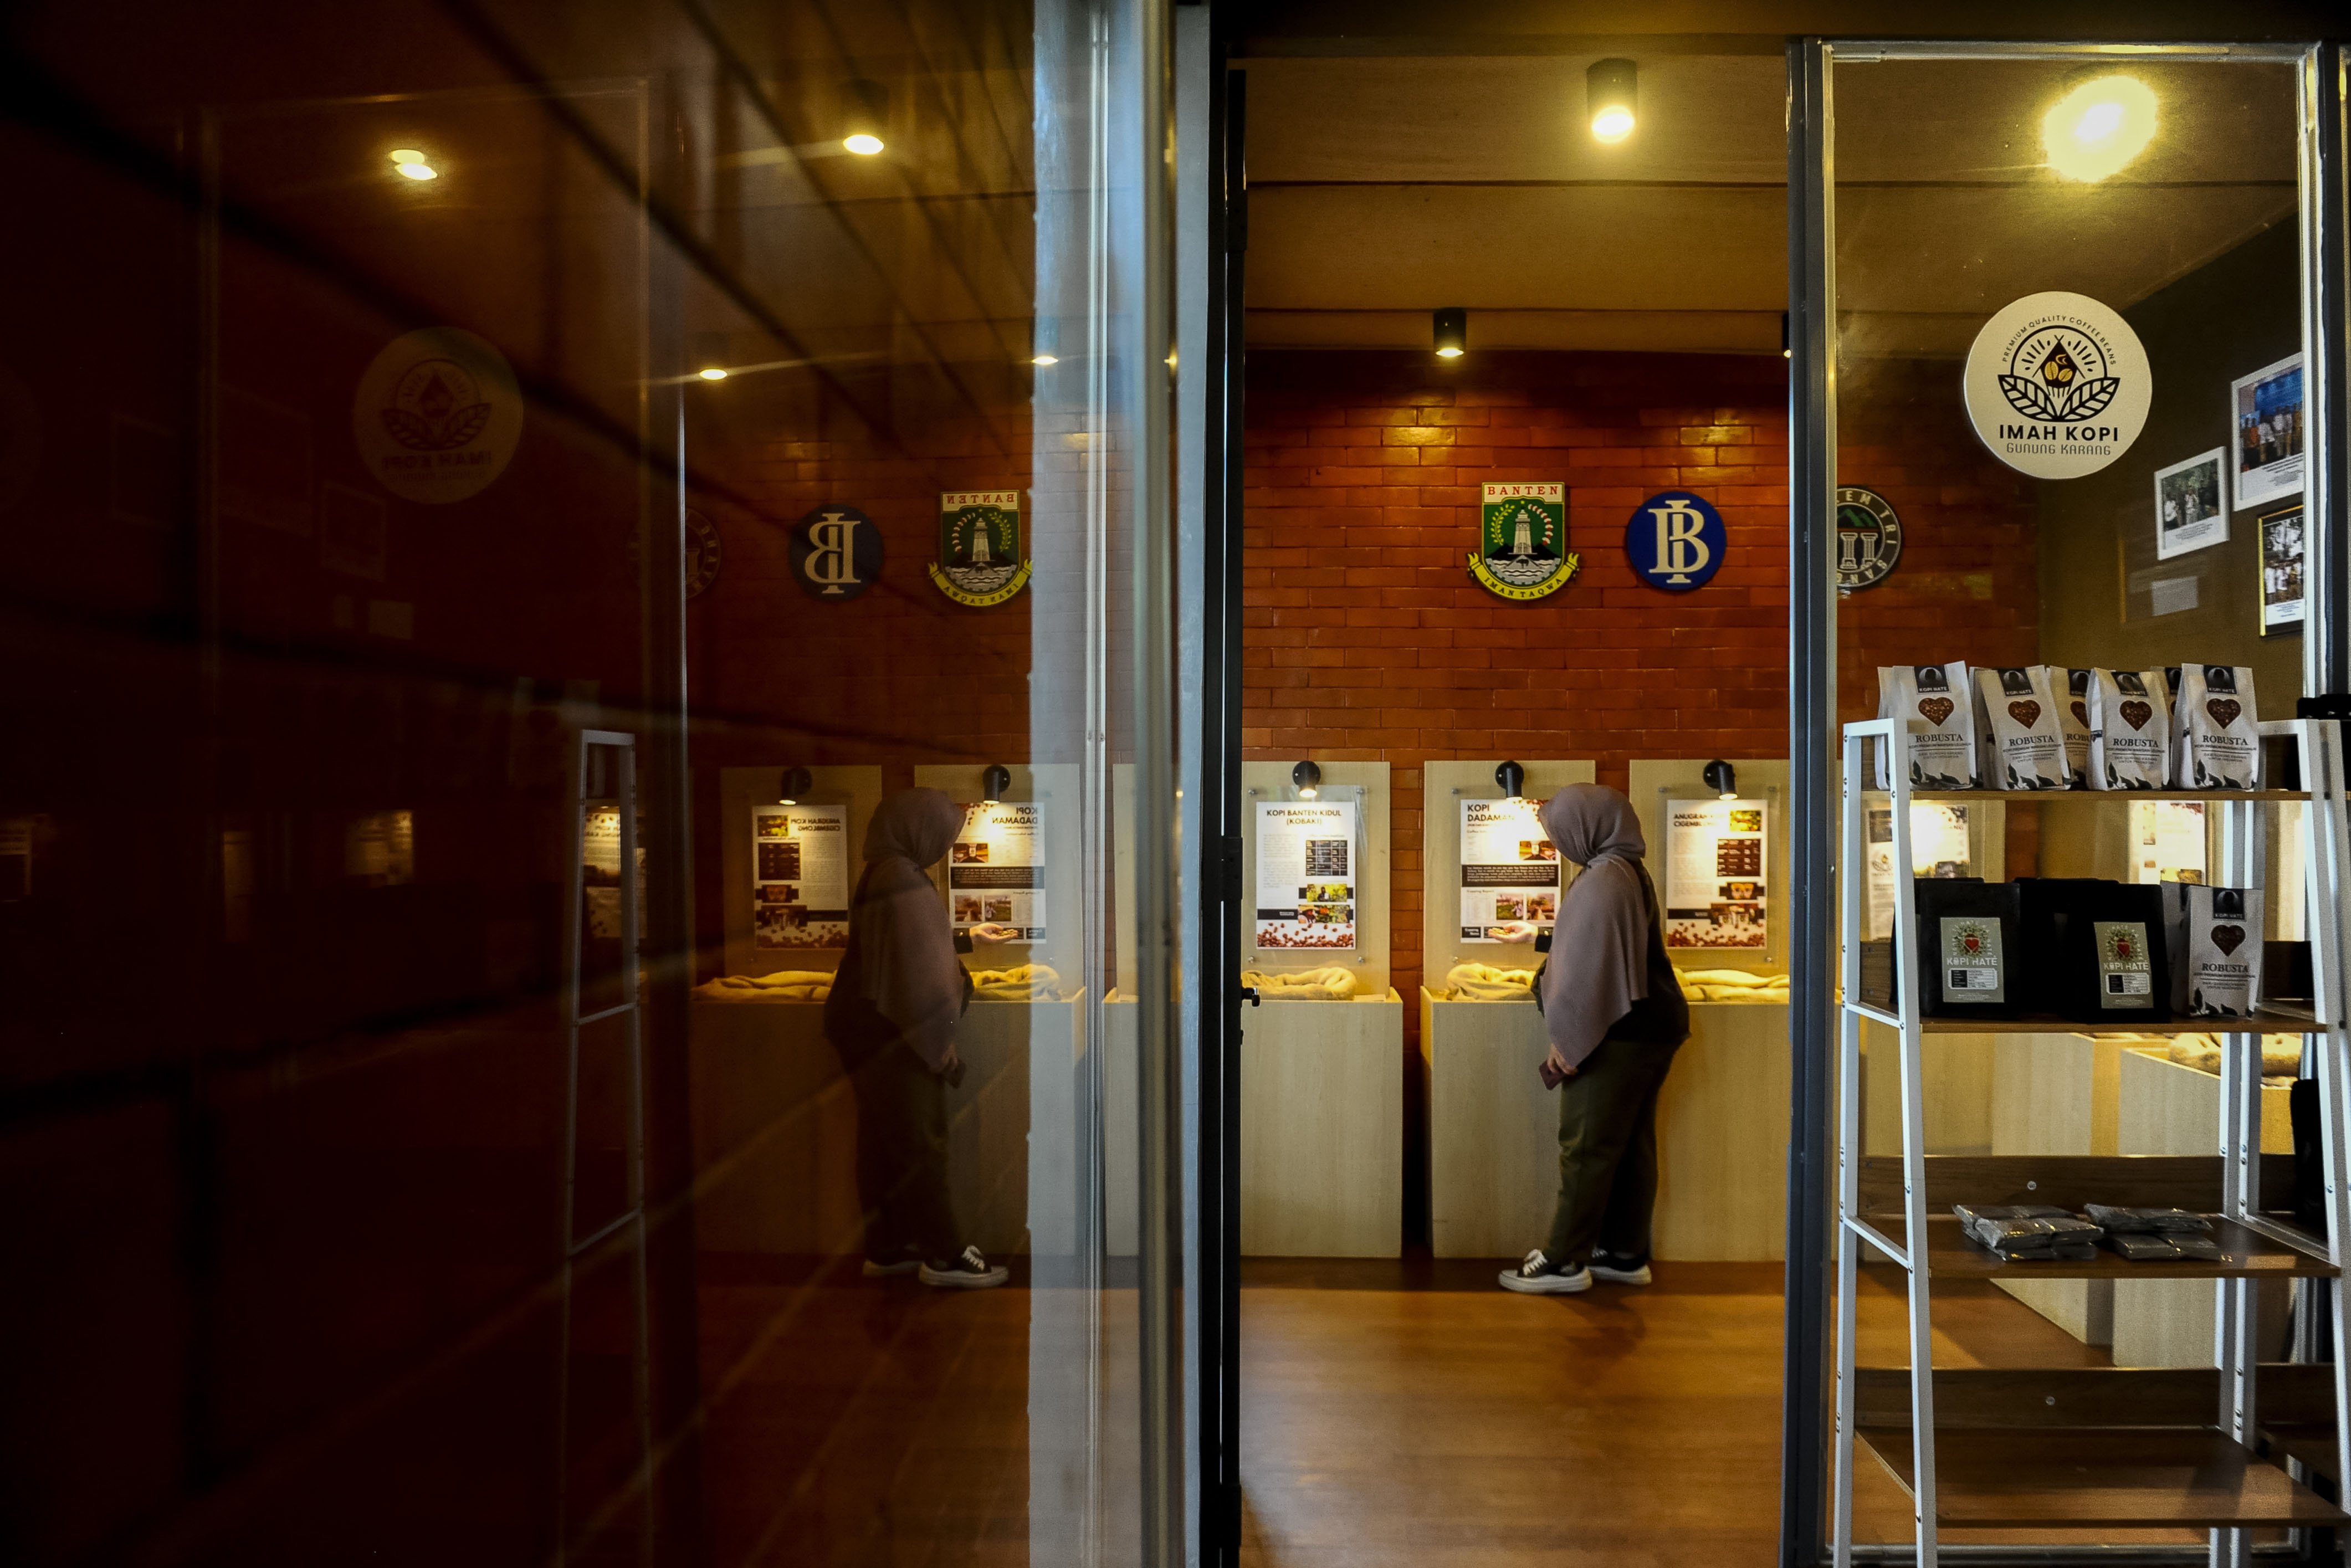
2280 535
2189 514
2265 413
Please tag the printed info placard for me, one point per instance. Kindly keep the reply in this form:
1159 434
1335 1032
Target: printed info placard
799 876
1306 874
1510 869
1714 874
996 872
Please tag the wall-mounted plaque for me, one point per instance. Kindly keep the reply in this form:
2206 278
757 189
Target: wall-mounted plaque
1523 540
836 553
996 872
1306 874
1676 541
1715 874
2281 555
702 553
1869 538
2266 408
799 876
1510 869
980 562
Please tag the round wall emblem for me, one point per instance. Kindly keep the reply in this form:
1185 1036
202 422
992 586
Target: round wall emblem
1676 541
1523 540
2057 385
437 416
836 553
702 553
1869 537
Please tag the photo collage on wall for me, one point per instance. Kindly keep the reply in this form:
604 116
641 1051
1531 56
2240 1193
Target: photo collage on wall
799 876
1510 869
2260 466
1715 874
996 872
1306 874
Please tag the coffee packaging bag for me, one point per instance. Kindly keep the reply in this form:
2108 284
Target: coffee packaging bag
1944 757
2072 689
2218 931
2216 745
2017 733
2130 730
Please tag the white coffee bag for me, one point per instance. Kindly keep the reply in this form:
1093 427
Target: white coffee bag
2018 739
2216 743
1944 757
2072 687
2221 937
2130 730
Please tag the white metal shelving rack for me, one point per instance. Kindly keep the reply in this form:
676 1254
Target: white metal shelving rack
2099 1448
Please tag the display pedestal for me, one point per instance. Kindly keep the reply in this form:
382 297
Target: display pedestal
2164 1108
1494 1132
1121 1087
1323 1128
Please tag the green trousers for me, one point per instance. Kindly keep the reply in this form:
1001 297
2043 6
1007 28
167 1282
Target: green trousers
1608 1153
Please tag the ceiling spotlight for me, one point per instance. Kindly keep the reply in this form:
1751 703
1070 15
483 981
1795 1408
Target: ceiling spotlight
1309 780
712 372
995 783
795 783
1611 90
1452 332
869 109
409 161
1723 778
2097 129
1513 779
1046 359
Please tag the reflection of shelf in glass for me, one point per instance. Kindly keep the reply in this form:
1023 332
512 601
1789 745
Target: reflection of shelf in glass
1950 1255
2259 1023
2036 796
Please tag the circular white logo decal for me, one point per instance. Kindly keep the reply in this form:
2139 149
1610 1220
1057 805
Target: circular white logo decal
2057 385
437 416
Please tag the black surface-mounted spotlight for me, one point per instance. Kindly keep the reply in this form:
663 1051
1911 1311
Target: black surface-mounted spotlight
1723 778
1309 780
1512 779
795 783
995 783
1452 332
1787 344
1611 92
866 118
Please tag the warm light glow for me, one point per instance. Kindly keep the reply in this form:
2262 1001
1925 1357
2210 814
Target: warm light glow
2099 128
408 161
1728 795
406 155
718 373
1448 352
1612 124
863 144
1046 359
1308 793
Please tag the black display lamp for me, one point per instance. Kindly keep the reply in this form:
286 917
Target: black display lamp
795 783
1513 779
1723 778
1451 329
1309 780
995 783
868 116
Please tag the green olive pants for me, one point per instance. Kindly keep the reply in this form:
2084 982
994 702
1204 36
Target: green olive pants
1608 1153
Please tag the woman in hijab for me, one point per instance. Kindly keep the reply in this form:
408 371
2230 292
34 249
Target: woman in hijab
892 1017
1616 1016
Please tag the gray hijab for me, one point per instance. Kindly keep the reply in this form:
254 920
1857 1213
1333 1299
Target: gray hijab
1600 944
901 953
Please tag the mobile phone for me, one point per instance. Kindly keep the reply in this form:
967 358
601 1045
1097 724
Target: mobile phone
1552 1076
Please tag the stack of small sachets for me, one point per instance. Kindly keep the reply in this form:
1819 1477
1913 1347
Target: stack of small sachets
2156 1235
2032 1233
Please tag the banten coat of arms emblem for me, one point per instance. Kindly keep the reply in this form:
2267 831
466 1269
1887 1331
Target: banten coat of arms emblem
980 562
1523 540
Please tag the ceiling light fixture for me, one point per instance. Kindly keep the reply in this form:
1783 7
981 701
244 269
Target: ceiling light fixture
712 372
1452 332
1612 92
1309 780
409 161
869 110
1512 779
2099 128
795 783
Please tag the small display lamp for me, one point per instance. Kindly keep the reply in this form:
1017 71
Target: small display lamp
995 783
1723 778
1787 344
795 783
1513 781
1452 332
1309 780
1611 92
869 109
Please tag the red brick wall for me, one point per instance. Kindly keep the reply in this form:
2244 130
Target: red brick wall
1367 640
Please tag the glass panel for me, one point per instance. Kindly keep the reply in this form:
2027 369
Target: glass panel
498 508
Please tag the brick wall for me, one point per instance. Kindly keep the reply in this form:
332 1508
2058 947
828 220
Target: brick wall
1367 640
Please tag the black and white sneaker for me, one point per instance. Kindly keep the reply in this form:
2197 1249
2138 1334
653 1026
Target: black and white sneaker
1539 1276
1619 1270
966 1270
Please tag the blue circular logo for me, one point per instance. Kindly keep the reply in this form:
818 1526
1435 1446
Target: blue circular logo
1676 541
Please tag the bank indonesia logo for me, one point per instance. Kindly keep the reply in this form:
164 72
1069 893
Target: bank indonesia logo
1676 541
1869 538
836 553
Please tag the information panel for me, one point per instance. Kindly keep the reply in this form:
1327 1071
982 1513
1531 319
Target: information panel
1510 869
799 876
1714 874
996 872
1938 847
1306 874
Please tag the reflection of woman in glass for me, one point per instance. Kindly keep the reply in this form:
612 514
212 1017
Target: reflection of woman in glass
1615 1015
892 1017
